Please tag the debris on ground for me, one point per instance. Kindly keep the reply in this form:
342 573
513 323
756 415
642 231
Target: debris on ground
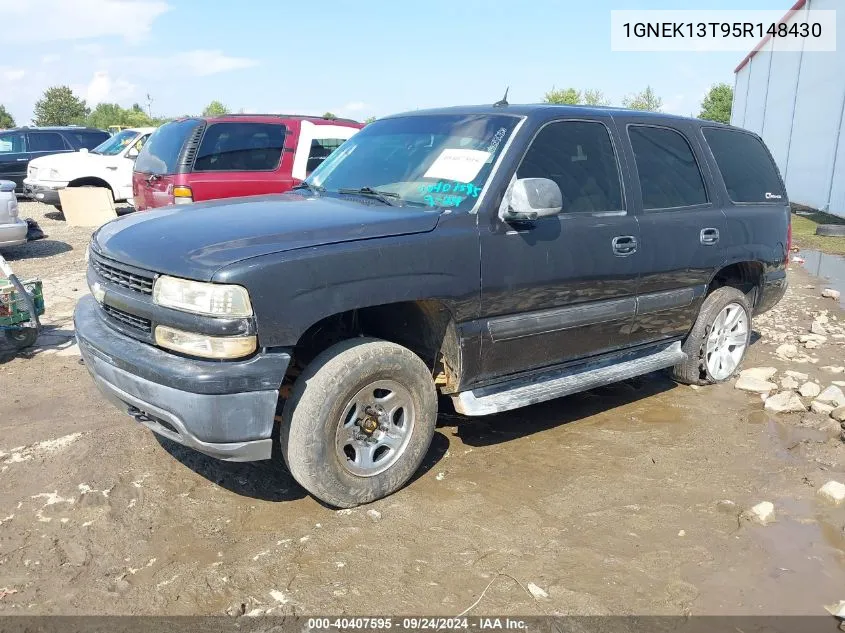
832 395
810 390
833 491
763 512
837 610
785 402
830 293
755 385
536 591
760 373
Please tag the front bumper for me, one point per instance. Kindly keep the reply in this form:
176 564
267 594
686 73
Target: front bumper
48 194
13 234
225 409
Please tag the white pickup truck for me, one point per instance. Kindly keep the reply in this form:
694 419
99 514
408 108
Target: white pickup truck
108 165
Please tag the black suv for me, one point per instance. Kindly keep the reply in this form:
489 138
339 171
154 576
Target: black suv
21 145
500 255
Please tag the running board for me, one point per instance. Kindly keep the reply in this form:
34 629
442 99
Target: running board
555 383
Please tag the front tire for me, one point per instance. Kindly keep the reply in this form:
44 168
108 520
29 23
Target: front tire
21 338
718 341
359 421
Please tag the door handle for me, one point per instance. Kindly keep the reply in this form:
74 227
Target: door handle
20 160
624 245
709 237
111 167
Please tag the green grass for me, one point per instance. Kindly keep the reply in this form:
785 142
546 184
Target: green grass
804 231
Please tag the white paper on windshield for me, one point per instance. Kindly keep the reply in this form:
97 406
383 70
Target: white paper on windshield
461 165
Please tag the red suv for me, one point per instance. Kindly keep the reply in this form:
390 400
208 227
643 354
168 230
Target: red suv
205 158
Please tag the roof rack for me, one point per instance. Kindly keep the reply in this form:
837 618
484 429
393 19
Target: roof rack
287 116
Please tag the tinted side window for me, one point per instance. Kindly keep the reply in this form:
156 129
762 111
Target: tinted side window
12 143
160 154
240 147
579 157
669 175
745 165
320 150
89 140
46 142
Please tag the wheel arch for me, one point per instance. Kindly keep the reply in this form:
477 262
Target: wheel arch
746 276
91 181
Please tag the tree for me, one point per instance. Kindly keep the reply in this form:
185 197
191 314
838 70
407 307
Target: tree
716 105
595 98
571 96
369 120
6 119
106 114
329 116
645 100
564 96
59 106
215 108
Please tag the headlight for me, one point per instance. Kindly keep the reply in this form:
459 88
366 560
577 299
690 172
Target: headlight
202 298
204 346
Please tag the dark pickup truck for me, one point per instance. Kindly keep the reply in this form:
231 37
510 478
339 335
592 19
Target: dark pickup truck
501 255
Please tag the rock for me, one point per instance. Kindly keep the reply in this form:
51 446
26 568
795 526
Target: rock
810 390
833 491
763 512
830 293
834 369
787 350
838 414
785 402
829 427
726 505
796 374
761 373
806 338
536 591
756 385
788 382
375 515
816 327
820 407
838 383
832 395
812 345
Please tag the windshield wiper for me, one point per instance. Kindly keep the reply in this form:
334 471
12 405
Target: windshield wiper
309 186
388 197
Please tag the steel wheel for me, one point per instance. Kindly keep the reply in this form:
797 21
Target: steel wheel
375 428
727 341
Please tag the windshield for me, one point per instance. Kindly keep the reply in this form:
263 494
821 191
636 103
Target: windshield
116 144
440 161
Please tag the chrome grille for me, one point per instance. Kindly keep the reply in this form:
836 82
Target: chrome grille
139 323
112 272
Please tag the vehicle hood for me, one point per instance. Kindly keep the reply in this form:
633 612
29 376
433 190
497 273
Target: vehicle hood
196 240
71 162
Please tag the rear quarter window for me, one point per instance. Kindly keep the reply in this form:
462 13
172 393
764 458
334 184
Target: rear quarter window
241 147
160 154
89 140
749 173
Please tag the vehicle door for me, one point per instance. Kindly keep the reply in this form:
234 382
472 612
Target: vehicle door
240 158
681 225
562 287
119 168
13 158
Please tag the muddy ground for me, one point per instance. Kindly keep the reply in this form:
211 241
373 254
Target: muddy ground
624 500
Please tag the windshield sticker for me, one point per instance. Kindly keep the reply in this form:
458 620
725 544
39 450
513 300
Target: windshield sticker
443 201
447 187
462 165
497 138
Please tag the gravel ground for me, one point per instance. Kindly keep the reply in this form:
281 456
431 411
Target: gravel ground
631 499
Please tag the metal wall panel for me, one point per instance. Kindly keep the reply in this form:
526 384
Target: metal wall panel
758 87
780 102
740 89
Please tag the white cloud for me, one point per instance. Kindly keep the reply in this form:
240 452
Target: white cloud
197 63
81 19
354 106
13 74
50 59
89 48
102 89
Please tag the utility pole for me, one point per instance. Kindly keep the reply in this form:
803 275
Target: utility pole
149 105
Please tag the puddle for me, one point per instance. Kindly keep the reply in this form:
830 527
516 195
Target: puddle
829 267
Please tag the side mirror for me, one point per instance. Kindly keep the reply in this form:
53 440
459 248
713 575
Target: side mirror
132 153
533 198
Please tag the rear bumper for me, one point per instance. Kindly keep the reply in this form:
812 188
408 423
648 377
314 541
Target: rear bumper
43 193
223 409
771 291
13 234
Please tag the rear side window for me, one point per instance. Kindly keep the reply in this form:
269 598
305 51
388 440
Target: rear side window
88 139
745 165
320 150
669 174
579 157
241 147
46 142
161 152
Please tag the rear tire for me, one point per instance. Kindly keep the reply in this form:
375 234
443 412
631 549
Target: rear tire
359 421
21 338
831 230
699 343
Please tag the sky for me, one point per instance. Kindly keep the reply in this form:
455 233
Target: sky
355 59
